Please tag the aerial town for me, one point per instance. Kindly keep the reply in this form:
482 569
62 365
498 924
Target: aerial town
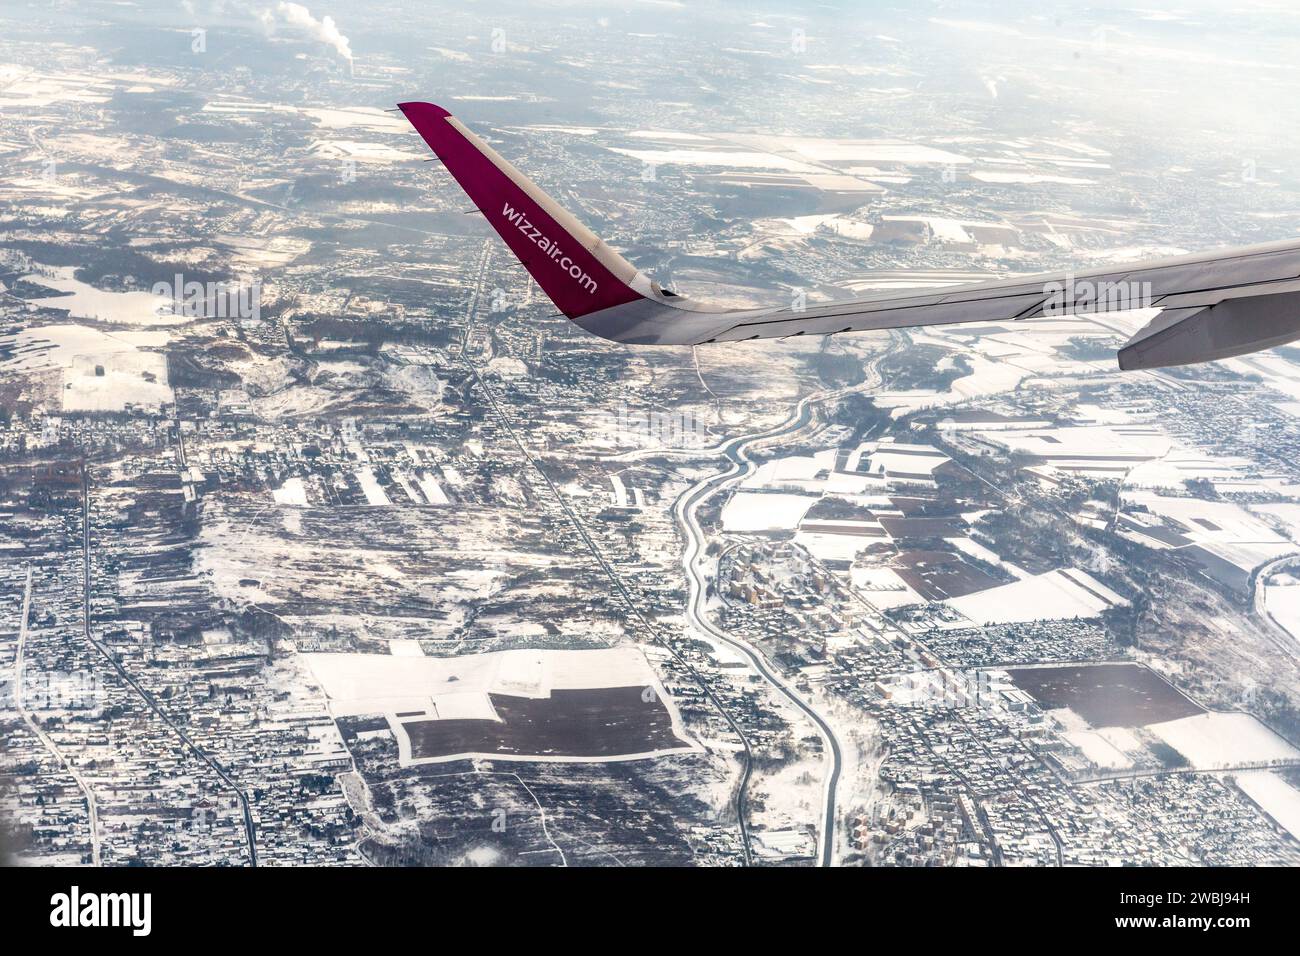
324 540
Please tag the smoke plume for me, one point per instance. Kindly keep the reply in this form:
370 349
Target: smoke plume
325 29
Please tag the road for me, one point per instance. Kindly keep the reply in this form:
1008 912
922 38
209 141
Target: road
250 831
92 809
1282 639
590 544
695 563
623 592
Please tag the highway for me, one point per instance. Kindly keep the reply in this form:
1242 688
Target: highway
590 543
695 563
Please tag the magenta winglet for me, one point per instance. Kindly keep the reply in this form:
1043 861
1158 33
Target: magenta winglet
579 273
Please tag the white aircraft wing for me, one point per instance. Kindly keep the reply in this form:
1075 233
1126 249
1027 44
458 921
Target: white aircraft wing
1212 305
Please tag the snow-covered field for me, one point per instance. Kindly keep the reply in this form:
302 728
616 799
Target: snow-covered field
1072 444
359 117
793 472
1002 177
896 459
976 550
725 159
370 486
751 511
405 648
1284 514
383 683
1283 604
1210 522
1274 796
101 372
832 547
870 468
1053 596
433 492
883 588
828 150
360 152
1222 527
292 492
1223 739
1098 749
458 688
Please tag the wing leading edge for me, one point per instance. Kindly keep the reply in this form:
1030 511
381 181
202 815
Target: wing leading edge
1212 305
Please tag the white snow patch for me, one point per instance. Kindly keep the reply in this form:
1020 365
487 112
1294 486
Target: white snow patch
751 511
371 488
292 492
1214 740
1274 796
1053 596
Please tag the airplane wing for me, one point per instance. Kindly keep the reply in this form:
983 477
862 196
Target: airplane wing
1212 305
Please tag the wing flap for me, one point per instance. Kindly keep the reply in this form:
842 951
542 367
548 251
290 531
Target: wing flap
852 317
1233 327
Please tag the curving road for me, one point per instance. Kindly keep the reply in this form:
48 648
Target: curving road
1282 639
694 563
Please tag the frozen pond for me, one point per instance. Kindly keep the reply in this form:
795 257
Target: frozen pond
87 302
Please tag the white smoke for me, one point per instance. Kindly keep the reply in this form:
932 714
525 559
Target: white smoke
291 15
325 30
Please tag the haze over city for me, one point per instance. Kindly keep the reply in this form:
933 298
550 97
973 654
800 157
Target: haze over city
326 540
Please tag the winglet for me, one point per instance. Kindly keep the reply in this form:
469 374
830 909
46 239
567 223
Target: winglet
579 273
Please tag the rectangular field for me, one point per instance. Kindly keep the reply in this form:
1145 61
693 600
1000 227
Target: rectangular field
600 722
1106 695
524 704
